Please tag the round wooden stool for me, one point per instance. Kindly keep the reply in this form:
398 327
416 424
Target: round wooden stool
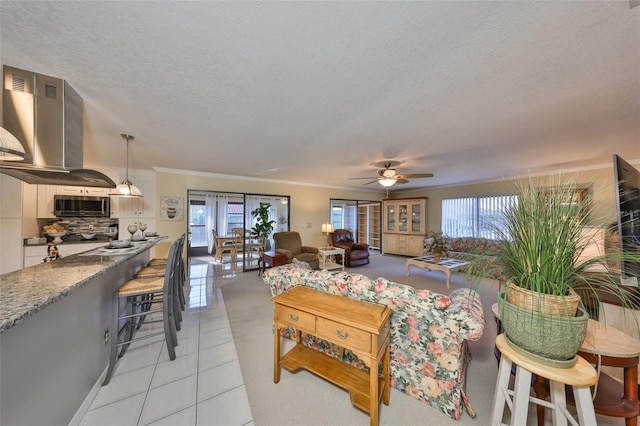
580 377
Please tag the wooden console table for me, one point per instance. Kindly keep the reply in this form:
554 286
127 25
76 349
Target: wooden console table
362 327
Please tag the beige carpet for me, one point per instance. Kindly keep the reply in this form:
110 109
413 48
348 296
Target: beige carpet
303 399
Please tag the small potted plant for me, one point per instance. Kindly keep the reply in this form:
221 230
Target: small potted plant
439 245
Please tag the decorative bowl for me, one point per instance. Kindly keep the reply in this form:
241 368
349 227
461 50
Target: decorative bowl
57 236
150 234
120 243
137 238
110 232
88 235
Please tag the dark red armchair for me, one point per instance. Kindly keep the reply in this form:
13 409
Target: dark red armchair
355 254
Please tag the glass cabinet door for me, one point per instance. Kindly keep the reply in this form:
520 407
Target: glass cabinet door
415 218
391 218
402 217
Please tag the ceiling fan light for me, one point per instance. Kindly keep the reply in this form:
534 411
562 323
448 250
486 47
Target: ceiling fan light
389 173
386 182
10 147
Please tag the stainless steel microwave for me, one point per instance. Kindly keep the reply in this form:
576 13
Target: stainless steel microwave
71 205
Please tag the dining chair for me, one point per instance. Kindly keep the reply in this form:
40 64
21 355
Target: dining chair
226 246
137 296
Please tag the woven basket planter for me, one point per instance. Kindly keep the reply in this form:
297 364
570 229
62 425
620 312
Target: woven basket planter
554 337
545 303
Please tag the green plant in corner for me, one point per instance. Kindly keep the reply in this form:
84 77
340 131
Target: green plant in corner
541 240
263 226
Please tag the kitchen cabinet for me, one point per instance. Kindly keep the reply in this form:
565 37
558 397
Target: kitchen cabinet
404 225
11 223
45 201
10 241
82 190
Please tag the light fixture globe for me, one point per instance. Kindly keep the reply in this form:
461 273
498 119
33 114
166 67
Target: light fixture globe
387 182
10 147
126 188
389 173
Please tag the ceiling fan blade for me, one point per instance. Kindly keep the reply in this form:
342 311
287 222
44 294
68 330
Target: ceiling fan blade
401 180
415 175
363 178
373 181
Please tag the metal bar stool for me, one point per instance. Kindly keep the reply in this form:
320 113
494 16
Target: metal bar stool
580 377
156 267
159 271
138 295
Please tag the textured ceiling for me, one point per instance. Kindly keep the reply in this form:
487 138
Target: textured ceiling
317 92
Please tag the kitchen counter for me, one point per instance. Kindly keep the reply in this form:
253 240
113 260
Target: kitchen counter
29 290
66 242
54 332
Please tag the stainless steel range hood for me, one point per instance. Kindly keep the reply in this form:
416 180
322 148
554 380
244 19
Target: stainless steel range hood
45 114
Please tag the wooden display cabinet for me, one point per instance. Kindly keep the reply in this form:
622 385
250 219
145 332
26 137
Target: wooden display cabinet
404 225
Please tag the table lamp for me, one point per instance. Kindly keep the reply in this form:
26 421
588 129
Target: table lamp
327 228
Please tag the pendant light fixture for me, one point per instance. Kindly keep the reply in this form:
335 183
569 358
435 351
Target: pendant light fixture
10 147
126 188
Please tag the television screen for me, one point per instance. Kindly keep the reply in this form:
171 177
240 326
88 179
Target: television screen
628 204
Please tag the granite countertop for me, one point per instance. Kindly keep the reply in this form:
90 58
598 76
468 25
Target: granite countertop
29 290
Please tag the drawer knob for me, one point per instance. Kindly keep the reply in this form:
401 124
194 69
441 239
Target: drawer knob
342 334
293 317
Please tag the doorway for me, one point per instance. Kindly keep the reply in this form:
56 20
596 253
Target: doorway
229 213
362 218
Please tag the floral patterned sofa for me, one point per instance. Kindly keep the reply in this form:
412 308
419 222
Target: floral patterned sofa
481 252
429 352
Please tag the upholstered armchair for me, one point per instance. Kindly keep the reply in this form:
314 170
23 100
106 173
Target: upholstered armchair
290 244
355 254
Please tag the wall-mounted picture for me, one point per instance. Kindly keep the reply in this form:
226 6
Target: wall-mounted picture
171 208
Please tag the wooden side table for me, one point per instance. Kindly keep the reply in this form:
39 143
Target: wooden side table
362 327
330 252
272 258
609 346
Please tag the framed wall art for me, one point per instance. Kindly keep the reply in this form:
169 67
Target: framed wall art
171 208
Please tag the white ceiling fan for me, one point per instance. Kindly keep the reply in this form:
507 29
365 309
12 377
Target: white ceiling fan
389 176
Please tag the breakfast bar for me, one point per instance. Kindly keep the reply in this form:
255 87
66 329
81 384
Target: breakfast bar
54 322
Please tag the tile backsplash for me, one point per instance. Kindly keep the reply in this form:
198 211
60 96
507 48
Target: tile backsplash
76 226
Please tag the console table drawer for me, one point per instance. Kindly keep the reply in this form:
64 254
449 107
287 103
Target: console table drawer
297 319
343 335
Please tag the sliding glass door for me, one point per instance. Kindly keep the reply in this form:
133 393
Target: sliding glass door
230 215
362 218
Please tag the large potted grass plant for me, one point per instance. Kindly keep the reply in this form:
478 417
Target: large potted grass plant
541 240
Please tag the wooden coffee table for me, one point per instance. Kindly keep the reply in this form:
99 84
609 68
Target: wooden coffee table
446 265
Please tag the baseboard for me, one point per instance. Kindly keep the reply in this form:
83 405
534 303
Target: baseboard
84 407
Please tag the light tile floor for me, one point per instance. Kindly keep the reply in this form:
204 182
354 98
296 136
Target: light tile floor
202 386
